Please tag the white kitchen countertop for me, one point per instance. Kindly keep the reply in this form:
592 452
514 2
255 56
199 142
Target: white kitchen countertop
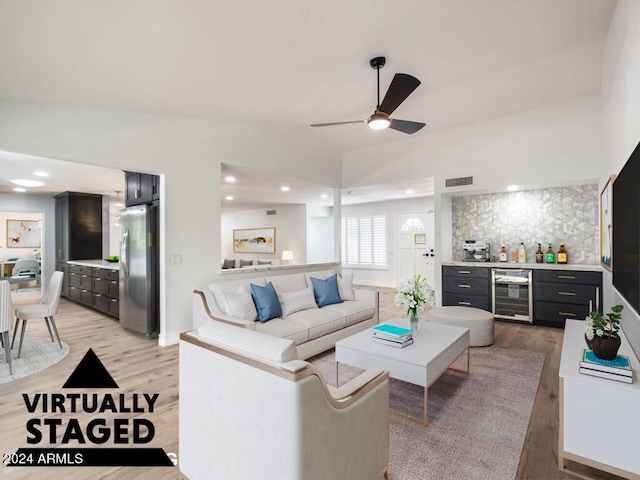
96 263
539 266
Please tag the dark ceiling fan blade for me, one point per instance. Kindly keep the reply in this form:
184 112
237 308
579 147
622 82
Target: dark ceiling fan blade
406 126
401 87
335 123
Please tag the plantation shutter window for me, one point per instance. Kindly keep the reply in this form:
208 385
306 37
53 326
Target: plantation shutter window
364 241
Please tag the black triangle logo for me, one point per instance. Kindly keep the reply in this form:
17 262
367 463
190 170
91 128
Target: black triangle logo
90 373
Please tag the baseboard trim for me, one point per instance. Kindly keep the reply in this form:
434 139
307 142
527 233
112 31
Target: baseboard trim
164 340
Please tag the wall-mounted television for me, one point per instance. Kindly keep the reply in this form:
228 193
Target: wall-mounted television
626 231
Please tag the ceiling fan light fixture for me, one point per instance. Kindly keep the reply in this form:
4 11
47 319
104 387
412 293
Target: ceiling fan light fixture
378 121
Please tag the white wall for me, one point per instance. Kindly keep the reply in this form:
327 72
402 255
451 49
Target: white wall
188 153
43 205
320 234
289 222
20 252
552 146
621 122
387 277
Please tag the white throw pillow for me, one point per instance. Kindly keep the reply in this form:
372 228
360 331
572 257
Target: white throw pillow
240 304
292 302
345 286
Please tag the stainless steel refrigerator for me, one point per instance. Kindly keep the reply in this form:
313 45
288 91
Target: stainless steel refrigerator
139 270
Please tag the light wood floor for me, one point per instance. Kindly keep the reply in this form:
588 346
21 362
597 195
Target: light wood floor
141 366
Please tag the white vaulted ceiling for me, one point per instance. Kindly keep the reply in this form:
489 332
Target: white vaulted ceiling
292 63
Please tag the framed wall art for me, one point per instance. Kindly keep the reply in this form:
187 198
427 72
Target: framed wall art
606 224
254 240
23 234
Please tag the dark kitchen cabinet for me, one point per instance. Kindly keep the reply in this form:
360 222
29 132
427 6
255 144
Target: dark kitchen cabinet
79 231
79 284
469 287
563 294
106 291
140 188
94 287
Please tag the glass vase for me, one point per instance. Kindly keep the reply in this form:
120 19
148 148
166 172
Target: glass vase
414 322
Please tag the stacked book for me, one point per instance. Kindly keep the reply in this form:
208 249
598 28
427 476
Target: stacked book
391 335
617 369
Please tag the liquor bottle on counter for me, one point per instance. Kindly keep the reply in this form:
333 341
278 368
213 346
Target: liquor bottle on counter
563 257
550 256
539 254
503 254
513 255
522 253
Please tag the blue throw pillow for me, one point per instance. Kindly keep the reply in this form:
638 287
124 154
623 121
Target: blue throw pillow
326 291
266 300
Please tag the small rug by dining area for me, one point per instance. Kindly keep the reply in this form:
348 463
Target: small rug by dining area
477 422
37 355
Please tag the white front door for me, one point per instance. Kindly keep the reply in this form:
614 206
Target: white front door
414 233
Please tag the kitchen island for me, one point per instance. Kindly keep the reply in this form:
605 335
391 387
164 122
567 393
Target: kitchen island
94 284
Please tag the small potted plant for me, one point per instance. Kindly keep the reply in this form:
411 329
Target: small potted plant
414 294
601 333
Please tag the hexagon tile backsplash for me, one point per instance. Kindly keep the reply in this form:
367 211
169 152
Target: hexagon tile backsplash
564 214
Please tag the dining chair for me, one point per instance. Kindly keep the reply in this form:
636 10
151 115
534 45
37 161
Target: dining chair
26 273
47 308
6 319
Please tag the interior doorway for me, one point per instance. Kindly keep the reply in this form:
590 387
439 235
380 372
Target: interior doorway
415 240
20 239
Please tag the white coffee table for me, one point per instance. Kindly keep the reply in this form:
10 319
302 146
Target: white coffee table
435 347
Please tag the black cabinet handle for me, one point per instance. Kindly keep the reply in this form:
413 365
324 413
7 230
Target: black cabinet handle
464 285
570 294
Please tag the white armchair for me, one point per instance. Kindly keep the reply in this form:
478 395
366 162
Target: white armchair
250 409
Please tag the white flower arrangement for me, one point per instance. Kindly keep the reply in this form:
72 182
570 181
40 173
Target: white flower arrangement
598 325
414 294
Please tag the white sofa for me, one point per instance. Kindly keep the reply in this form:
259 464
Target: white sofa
313 330
249 409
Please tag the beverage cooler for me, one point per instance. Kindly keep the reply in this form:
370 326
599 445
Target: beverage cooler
512 294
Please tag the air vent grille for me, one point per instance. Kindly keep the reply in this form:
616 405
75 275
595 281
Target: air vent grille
458 182
271 212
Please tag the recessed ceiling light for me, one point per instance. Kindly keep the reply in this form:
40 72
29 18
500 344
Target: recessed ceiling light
409 192
40 173
229 179
512 188
285 189
228 197
27 183
19 189
324 195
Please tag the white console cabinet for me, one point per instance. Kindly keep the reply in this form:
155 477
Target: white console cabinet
599 418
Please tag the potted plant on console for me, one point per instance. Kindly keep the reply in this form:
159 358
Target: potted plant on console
602 333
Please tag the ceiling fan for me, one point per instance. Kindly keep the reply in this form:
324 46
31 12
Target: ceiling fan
401 87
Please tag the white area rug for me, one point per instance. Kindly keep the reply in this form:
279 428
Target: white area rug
37 354
477 422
